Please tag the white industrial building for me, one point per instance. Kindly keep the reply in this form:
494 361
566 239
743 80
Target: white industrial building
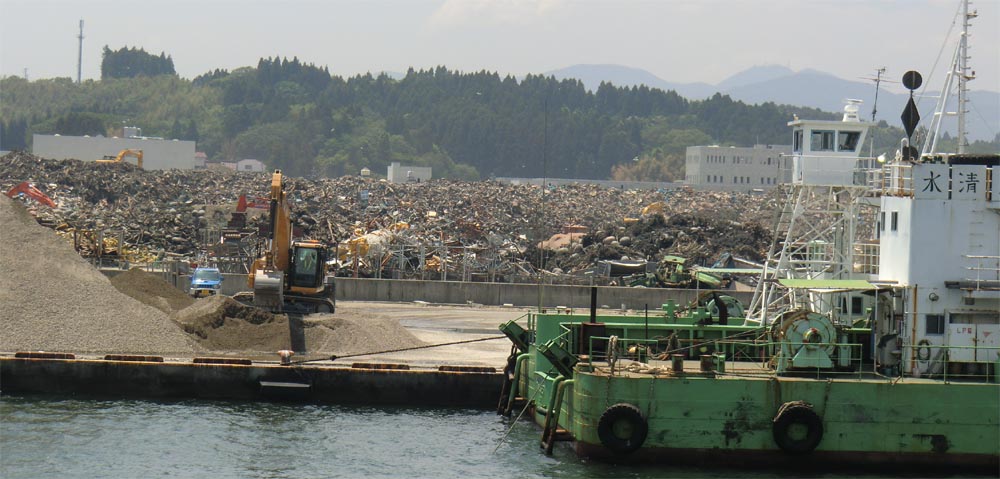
157 153
403 174
250 164
737 168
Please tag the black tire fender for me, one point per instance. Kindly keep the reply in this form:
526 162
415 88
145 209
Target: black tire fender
797 413
923 350
622 428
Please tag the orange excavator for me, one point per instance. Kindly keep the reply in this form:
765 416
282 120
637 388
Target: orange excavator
29 190
291 275
137 154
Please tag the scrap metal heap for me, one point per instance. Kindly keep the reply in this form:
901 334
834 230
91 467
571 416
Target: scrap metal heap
484 231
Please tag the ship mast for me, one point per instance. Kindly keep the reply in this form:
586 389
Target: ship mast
963 74
959 72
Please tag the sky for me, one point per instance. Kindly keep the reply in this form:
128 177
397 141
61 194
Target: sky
677 40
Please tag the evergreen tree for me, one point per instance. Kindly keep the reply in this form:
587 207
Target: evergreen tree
131 62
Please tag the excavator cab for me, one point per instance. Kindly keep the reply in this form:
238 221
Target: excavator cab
308 268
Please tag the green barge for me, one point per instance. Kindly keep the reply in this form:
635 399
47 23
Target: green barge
686 392
872 340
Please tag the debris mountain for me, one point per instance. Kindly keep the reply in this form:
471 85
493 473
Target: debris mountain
172 212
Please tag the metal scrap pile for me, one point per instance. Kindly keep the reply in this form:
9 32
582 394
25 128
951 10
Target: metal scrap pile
442 227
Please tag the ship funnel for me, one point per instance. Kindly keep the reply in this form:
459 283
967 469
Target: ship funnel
851 110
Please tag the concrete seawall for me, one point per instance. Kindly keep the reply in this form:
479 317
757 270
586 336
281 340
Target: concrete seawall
490 294
453 292
318 384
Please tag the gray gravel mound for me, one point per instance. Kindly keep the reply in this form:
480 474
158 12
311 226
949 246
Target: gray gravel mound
223 325
53 300
152 290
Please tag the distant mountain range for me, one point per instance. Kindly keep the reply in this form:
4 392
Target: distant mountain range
812 88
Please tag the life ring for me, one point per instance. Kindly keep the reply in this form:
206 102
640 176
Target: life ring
622 428
923 350
791 419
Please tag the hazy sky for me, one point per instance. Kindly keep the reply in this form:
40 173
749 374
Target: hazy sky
681 41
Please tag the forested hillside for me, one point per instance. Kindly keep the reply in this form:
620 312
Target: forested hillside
299 118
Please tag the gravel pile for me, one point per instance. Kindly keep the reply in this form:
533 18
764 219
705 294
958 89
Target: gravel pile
223 325
342 334
53 300
152 290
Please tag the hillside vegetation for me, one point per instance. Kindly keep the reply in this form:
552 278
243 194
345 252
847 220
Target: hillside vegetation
299 118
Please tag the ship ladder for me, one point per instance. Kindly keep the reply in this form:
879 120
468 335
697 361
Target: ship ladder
508 380
551 432
513 400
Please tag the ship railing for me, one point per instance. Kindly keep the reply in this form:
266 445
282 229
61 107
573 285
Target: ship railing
953 363
832 170
610 349
871 175
729 356
897 180
984 272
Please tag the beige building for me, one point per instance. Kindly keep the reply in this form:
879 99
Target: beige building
397 173
157 153
737 168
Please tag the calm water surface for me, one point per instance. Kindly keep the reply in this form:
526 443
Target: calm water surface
58 437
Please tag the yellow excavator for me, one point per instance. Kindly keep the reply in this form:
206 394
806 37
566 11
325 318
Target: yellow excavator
291 275
137 154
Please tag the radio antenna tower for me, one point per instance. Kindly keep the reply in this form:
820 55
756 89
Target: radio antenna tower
79 54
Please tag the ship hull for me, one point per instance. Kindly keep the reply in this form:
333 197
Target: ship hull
730 420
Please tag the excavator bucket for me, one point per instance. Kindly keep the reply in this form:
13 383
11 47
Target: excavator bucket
268 290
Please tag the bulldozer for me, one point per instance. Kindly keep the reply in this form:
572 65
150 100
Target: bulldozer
291 275
137 154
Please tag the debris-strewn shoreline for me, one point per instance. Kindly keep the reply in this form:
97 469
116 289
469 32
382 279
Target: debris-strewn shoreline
170 211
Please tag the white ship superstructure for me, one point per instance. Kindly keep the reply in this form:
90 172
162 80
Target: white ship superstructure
939 228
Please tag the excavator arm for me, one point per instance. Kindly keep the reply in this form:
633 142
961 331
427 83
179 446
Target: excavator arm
290 272
29 190
137 154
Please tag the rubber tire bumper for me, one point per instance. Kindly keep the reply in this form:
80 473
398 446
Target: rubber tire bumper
622 418
803 415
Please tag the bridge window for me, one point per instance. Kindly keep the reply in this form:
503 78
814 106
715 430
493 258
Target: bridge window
848 140
797 141
822 140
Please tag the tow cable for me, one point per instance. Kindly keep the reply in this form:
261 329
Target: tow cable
335 357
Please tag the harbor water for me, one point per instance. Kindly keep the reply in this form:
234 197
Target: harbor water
44 436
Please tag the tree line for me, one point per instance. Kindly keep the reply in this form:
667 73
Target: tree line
300 118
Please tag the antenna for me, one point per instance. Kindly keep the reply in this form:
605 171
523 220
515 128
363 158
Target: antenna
79 54
878 81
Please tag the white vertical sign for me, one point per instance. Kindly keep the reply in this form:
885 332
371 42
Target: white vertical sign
968 182
930 181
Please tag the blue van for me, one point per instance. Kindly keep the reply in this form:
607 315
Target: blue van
205 282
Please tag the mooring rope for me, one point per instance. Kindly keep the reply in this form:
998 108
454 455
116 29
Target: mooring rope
518 418
335 357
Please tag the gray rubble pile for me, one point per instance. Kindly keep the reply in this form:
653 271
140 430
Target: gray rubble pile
170 211
54 300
